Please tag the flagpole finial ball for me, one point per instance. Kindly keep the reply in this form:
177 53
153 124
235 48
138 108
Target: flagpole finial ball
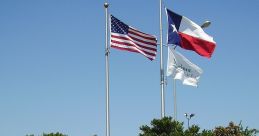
106 5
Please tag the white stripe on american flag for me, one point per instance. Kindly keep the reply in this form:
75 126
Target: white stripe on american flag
127 44
140 39
140 34
125 38
132 49
124 42
130 45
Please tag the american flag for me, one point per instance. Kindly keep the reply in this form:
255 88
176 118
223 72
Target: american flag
126 38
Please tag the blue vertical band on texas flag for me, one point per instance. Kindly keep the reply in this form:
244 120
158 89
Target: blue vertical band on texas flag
188 35
173 27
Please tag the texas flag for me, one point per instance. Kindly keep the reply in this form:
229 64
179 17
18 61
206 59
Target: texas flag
188 35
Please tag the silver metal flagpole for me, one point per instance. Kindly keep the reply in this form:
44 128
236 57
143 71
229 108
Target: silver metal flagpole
106 5
175 104
174 93
161 65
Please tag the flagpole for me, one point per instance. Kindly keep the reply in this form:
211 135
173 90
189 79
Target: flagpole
175 100
106 5
175 104
161 65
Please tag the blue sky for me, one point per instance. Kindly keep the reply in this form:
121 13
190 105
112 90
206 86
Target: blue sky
52 67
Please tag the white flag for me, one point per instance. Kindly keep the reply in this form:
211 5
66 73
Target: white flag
181 68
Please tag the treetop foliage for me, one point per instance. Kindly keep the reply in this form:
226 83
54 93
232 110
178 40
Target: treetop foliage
169 127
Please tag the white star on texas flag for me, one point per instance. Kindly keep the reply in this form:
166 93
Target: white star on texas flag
174 28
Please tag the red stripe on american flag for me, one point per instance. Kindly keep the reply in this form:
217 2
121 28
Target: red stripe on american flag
132 45
140 34
139 40
128 39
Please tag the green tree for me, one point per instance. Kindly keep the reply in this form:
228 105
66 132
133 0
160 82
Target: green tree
207 133
168 127
192 131
162 127
234 130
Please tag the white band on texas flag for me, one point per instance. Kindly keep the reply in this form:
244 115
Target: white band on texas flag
188 35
